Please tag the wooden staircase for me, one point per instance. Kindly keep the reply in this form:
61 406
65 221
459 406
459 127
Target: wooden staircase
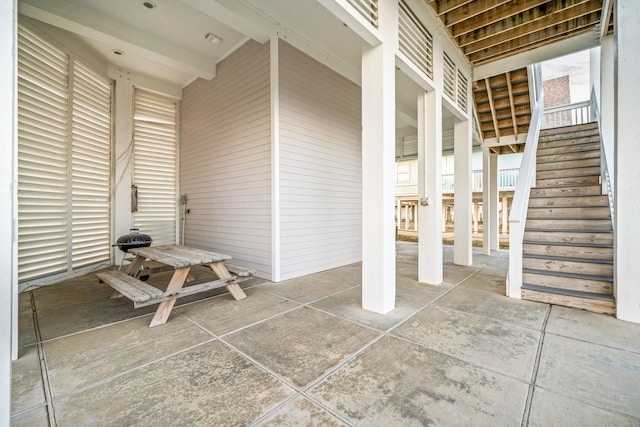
568 238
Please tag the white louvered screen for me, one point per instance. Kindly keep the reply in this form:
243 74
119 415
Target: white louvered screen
154 166
415 41
462 91
449 77
42 157
368 9
90 167
64 161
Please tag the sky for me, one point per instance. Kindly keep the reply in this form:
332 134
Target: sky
576 66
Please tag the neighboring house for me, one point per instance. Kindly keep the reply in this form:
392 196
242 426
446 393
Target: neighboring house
407 202
557 92
277 121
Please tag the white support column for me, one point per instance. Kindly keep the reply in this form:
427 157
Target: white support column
122 217
8 205
414 206
462 245
430 187
475 217
607 108
486 201
627 131
274 75
505 215
493 202
378 165
406 216
444 216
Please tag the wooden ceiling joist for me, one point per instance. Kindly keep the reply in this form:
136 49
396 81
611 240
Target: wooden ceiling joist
493 110
534 26
513 107
488 30
567 29
522 21
493 15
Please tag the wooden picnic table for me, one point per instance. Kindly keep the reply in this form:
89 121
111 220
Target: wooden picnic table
181 258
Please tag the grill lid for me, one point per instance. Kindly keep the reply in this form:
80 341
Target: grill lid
134 239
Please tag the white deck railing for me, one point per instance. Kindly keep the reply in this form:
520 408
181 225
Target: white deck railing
526 180
577 113
507 179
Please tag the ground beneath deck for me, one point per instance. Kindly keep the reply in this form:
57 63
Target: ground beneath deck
303 352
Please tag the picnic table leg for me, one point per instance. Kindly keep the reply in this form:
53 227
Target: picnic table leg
232 286
164 309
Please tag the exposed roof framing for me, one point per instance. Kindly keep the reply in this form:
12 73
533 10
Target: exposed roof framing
487 30
504 107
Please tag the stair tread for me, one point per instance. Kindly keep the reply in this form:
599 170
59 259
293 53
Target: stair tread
583 245
568 292
568 275
566 258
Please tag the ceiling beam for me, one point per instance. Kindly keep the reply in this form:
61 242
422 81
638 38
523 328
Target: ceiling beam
573 44
445 6
523 18
89 24
469 11
533 26
494 14
558 32
513 107
493 110
229 14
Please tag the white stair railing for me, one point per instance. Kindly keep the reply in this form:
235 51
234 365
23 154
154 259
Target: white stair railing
526 179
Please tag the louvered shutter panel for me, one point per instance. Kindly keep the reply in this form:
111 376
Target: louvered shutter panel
42 157
90 167
154 142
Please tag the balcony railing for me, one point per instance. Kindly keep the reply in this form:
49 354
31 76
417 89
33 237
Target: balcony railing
507 179
568 115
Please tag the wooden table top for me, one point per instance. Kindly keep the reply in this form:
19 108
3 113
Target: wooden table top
179 256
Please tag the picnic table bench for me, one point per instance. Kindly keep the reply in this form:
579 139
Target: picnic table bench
181 259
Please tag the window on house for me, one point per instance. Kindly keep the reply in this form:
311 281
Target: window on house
402 173
64 161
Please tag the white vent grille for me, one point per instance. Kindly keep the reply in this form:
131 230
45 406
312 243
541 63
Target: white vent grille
462 92
449 78
414 40
368 9
154 166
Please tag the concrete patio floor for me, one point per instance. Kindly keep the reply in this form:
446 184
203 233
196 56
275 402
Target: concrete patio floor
303 352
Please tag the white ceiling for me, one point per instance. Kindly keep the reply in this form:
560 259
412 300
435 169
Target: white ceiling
168 42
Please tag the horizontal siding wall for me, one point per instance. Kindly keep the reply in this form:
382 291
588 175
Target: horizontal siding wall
320 166
225 159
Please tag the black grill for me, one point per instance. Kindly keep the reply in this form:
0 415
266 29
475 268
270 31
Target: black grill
134 239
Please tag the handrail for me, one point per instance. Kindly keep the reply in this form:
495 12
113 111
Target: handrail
526 180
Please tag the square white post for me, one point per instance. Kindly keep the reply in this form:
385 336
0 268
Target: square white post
607 108
462 232
378 165
627 182
486 201
8 205
493 202
430 187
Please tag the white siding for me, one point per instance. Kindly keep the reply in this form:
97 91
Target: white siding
320 166
225 159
